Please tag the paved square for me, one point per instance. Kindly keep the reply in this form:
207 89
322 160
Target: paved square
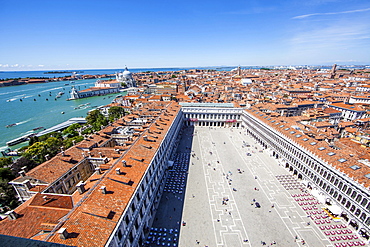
218 205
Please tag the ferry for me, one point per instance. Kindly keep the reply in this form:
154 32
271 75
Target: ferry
38 128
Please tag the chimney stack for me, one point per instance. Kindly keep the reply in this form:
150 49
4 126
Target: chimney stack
63 234
27 184
103 190
81 187
11 215
118 171
22 173
124 163
97 169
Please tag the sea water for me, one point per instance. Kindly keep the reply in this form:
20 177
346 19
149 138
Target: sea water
36 105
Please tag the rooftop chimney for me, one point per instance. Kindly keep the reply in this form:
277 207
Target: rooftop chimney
100 154
103 190
12 215
124 163
81 187
118 171
27 184
63 234
22 173
97 169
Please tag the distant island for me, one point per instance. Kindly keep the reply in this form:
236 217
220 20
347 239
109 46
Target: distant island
62 72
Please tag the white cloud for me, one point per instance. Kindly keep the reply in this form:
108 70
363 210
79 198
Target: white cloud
344 41
41 65
331 13
5 65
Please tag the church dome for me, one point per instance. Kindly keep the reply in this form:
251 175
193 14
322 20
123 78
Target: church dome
126 73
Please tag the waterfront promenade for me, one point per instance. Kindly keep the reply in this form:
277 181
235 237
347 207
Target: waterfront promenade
223 184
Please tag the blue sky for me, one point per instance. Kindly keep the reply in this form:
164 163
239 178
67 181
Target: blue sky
80 34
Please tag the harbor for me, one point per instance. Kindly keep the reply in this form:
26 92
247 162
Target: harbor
25 108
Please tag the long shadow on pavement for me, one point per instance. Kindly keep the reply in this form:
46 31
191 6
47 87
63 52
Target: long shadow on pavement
168 219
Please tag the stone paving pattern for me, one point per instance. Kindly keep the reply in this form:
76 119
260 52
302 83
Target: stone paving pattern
217 206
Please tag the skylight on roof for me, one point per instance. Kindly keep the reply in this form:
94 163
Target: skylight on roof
355 167
305 139
281 126
321 148
313 143
342 160
269 118
273 121
368 176
286 129
331 154
298 135
292 132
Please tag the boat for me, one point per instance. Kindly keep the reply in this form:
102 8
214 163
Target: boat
38 128
62 112
10 125
9 152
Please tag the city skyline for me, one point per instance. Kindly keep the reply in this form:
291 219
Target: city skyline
60 35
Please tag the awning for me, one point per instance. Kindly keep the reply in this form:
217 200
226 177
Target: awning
335 209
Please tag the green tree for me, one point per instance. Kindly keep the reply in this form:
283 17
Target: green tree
7 194
36 152
53 145
96 119
6 174
115 112
72 130
5 162
67 143
39 150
